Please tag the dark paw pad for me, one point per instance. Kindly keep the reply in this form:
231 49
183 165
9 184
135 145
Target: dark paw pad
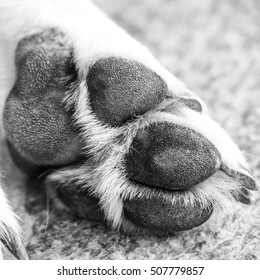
170 156
158 215
120 89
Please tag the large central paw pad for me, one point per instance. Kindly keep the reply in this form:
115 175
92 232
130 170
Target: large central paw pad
171 157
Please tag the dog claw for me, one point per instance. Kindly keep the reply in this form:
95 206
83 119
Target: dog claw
246 180
249 184
245 196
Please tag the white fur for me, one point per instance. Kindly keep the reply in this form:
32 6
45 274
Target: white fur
8 221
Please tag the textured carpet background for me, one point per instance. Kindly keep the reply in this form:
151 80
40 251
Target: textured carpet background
214 46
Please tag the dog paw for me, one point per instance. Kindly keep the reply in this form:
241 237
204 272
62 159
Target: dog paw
118 131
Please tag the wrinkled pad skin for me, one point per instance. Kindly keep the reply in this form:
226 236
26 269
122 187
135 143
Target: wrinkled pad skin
170 156
120 89
37 125
158 215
